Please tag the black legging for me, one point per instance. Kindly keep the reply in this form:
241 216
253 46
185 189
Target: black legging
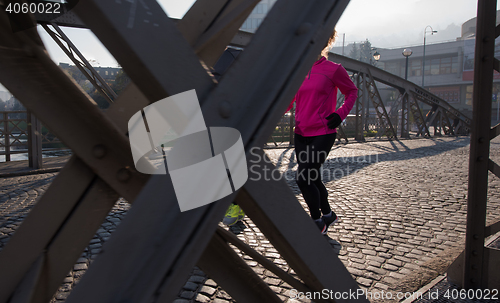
311 153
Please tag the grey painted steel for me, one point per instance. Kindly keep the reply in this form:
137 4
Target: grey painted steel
248 98
214 40
81 63
69 19
179 249
360 113
476 257
402 85
199 18
379 106
417 116
405 131
233 274
266 263
275 211
72 238
34 141
23 57
6 136
55 206
40 226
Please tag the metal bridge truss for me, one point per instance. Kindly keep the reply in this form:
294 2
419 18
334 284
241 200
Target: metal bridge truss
150 255
442 115
79 60
477 266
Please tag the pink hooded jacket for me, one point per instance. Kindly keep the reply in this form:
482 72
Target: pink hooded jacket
317 98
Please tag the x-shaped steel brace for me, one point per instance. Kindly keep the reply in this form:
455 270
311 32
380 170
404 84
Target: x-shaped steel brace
156 246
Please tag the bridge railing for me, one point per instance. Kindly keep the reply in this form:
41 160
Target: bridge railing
22 133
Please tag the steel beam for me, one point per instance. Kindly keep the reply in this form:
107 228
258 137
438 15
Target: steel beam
417 116
266 109
80 62
495 131
49 220
91 136
360 117
266 263
169 251
219 261
277 213
401 84
209 26
119 112
15 258
379 106
475 262
34 141
405 121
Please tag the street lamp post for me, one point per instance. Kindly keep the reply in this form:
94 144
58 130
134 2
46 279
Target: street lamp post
407 53
376 57
404 105
423 59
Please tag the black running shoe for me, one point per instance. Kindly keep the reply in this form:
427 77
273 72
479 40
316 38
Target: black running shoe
330 219
321 225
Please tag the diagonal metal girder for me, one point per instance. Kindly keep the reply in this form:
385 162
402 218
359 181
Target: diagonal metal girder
218 107
399 83
80 62
360 116
417 115
374 96
24 61
476 258
35 231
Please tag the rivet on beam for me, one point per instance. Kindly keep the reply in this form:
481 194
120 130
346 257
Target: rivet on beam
480 159
303 28
123 175
474 253
99 151
28 51
225 109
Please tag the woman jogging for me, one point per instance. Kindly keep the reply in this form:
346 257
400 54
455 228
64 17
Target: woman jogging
316 120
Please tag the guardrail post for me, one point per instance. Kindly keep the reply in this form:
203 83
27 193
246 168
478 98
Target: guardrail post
292 121
34 141
6 134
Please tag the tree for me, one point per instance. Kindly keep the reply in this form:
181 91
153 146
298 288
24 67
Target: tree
121 81
363 52
354 53
118 85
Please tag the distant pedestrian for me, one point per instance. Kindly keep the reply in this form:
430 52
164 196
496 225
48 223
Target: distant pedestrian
316 120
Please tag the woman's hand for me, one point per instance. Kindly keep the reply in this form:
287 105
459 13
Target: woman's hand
334 120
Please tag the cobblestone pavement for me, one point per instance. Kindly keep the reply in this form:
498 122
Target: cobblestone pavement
401 203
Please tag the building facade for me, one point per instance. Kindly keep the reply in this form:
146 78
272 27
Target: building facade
447 69
258 14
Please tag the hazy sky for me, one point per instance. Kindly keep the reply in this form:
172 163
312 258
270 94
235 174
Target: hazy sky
386 23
